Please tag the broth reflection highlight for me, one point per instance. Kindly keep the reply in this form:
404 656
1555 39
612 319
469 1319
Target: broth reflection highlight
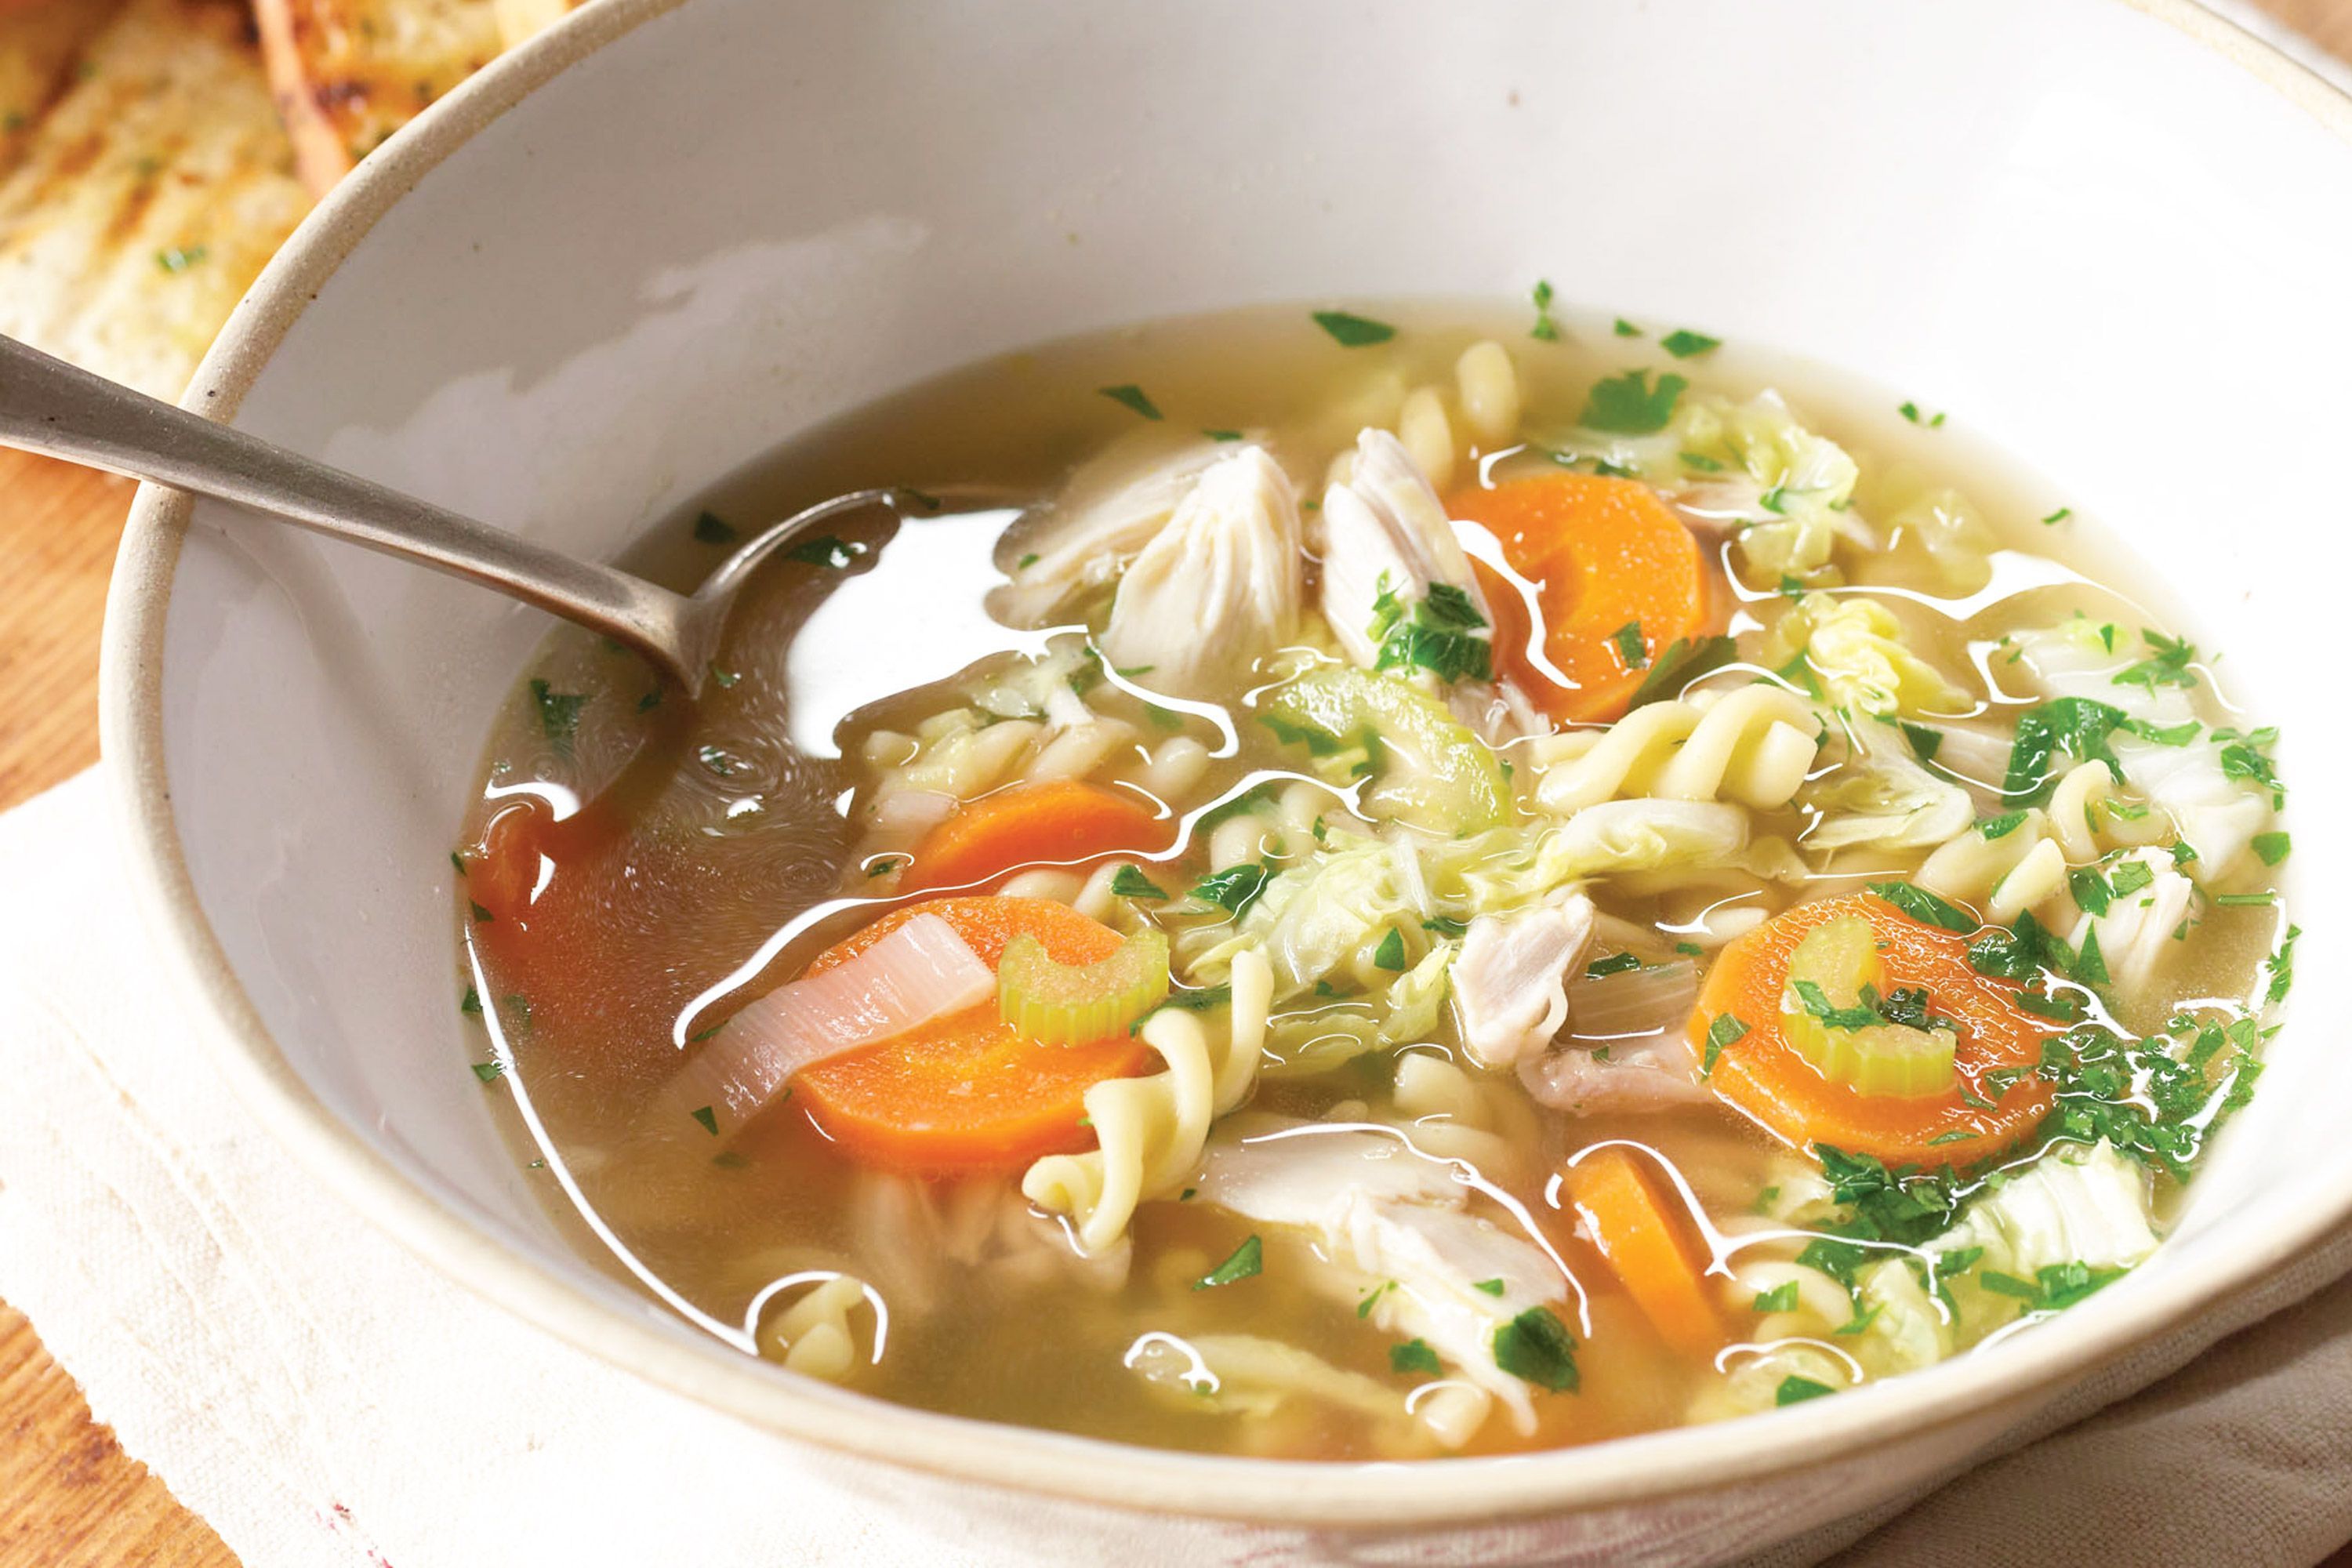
1379 884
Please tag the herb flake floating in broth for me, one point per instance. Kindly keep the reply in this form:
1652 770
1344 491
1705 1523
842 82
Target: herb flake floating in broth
1351 332
1545 814
1129 395
1628 405
1546 330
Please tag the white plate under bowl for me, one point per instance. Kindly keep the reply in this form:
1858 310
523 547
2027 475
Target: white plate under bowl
659 240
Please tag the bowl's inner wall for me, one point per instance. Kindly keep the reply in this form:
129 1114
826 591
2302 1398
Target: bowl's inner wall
2059 219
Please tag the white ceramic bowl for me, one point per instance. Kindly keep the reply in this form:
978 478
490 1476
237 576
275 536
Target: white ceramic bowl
662 238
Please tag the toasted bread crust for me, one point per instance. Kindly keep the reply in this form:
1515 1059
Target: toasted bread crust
38 42
148 197
349 73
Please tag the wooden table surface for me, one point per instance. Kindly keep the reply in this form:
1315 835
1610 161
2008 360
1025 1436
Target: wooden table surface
69 1497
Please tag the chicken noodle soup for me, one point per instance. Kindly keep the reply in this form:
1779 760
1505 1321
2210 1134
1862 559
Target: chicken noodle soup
1381 884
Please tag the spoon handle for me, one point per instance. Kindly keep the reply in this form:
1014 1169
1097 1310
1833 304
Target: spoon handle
52 407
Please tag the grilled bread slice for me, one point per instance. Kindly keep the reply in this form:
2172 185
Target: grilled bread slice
38 42
148 196
349 73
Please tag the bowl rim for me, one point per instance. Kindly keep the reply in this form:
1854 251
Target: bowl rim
1639 1468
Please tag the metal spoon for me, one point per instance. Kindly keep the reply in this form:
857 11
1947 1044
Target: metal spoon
49 406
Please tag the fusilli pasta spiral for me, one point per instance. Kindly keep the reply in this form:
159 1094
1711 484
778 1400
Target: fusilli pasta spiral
1150 1130
1753 746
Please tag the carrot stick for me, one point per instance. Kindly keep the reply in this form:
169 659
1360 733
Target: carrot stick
1759 1071
1618 582
1059 823
968 1092
1648 1246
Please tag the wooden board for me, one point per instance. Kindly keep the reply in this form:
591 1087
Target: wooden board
69 1497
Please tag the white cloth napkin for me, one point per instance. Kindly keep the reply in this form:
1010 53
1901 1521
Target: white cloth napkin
324 1399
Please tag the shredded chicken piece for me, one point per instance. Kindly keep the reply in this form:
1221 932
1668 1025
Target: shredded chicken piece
1385 531
1218 588
1108 511
1652 1072
1400 1238
1510 980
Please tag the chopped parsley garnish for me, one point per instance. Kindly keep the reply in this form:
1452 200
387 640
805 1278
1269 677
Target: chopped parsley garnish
710 528
1625 329
1683 344
2280 967
1364 1307
2055 518
1781 1298
1127 882
1445 925
2247 757
1235 887
2245 900
1632 652
825 550
1628 405
1680 662
1706 465
1905 1005
725 678
2167 664
1911 411
2130 876
1615 963
1247 1260
882 864
2272 846
1198 1000
1925 907
489 1072
1130 396
471 1002
708 1118
481 915
1536 1347
2001 827
1492 1287
1795 1390
1351 332
559 711
1413 1355
2074 728
1924 742
1434 635
1026 562
1724 1032
2090 889
174 258
459 861
1390 955
1546 330
1223 435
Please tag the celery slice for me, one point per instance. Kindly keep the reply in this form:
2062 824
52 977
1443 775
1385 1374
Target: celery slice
1429 769
1835 960
1077 1004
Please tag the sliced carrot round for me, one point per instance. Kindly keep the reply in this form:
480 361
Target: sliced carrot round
1612 565
966 1093
1762 1074
1654 1252
1063 822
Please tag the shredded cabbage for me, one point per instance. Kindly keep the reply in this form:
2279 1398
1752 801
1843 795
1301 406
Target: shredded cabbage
1854 649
